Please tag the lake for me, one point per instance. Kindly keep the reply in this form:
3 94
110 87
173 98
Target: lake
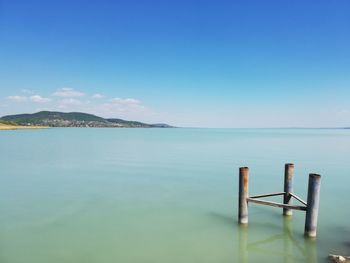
166 195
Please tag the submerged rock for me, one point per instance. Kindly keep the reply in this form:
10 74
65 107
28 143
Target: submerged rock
339 259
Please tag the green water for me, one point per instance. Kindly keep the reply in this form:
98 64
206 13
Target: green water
166 195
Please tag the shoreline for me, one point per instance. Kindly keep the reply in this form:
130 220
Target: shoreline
7 127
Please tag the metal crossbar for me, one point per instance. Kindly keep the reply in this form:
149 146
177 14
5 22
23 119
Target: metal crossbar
299 199
270 203
267 195
254 199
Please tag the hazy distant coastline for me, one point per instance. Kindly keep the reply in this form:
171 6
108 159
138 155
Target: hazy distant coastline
70 119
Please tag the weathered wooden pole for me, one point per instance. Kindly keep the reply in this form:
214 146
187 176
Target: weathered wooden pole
243 195
313 198
288 188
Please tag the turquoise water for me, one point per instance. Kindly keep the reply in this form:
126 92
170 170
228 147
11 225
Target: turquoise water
166 195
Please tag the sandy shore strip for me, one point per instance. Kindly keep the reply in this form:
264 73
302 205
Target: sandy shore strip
16 127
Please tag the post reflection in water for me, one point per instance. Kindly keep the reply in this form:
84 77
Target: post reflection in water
282 247
243 235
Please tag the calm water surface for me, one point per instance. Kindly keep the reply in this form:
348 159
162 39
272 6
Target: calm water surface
166 195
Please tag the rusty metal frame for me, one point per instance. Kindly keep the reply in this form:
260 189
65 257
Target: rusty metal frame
310 207
256 199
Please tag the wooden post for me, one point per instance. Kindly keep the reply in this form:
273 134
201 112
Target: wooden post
243 195
288 188
313 198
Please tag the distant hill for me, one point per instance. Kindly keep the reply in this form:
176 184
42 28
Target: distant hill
74 119
133 124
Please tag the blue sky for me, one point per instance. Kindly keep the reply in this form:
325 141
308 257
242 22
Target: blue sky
200 63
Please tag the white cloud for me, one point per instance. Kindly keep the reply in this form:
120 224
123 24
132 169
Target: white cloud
69 104
126 102
127 108
16 98
39 99
98 96
68 92
70 101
